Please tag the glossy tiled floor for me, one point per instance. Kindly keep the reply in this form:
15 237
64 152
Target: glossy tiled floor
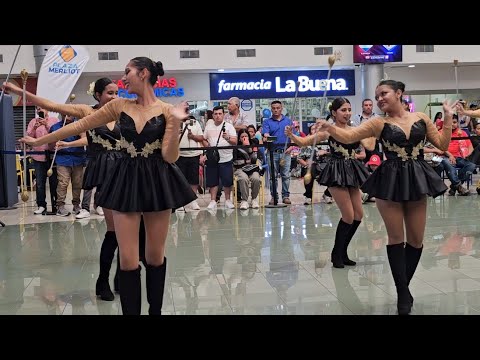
266 261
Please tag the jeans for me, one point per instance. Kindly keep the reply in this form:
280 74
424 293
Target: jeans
284 173
41 168
87 198
463 167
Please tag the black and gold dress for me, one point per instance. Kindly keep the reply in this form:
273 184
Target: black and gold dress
404 175
343 169
143 176
100 141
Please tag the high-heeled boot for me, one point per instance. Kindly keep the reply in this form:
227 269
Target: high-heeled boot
396 258
338 248
131 294
107 252
155 287
351 232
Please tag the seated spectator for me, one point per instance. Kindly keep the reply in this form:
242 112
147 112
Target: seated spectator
455 160
242 157
372 164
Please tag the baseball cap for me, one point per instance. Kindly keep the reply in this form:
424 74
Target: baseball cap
374 160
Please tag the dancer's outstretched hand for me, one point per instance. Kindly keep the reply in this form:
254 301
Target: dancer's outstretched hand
28 140
449 108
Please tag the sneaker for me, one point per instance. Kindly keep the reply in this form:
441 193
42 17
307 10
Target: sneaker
99 211
244 212
364 198
229 204
327 199
286 200
255 204
40 210
77 209
194 205
462 191
212 205
82 214
244 205
307 201
61 211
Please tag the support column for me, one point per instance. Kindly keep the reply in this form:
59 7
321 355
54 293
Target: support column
371 76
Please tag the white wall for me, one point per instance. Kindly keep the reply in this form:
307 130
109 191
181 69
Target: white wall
25 59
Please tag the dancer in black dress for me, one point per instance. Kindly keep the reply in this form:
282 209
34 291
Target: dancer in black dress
144 179
403 181
343 175
99 142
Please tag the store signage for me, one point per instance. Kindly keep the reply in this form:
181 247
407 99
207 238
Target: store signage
283 84
166 87
246 104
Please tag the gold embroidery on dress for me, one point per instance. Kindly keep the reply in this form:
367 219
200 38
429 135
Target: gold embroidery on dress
105 143
343 151
149 148
146 150
402 153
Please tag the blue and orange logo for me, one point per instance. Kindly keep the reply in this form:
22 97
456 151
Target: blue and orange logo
67 53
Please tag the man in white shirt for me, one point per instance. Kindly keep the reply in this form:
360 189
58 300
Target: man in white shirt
220 133
189 160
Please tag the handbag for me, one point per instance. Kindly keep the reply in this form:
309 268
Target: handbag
213 156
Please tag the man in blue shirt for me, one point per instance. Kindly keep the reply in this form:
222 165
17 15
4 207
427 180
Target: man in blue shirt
70 163
275 126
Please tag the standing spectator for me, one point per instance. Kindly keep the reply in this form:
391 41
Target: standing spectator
189 160
275 126
38 127
234 116
220 133
367 114
70 163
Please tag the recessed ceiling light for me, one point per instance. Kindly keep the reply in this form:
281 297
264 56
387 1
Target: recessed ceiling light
411 66
221 70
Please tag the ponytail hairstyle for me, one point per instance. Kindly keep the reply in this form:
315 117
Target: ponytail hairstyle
155 68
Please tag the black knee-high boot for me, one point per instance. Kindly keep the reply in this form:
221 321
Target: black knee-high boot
351 232
412 257
396 258
131 294
141 245
107 252
155 287
116 286
338 248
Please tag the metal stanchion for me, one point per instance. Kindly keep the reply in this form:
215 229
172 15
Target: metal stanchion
273 175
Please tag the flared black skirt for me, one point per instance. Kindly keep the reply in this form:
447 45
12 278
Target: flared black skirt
409 180
343 173
97 169
144 185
